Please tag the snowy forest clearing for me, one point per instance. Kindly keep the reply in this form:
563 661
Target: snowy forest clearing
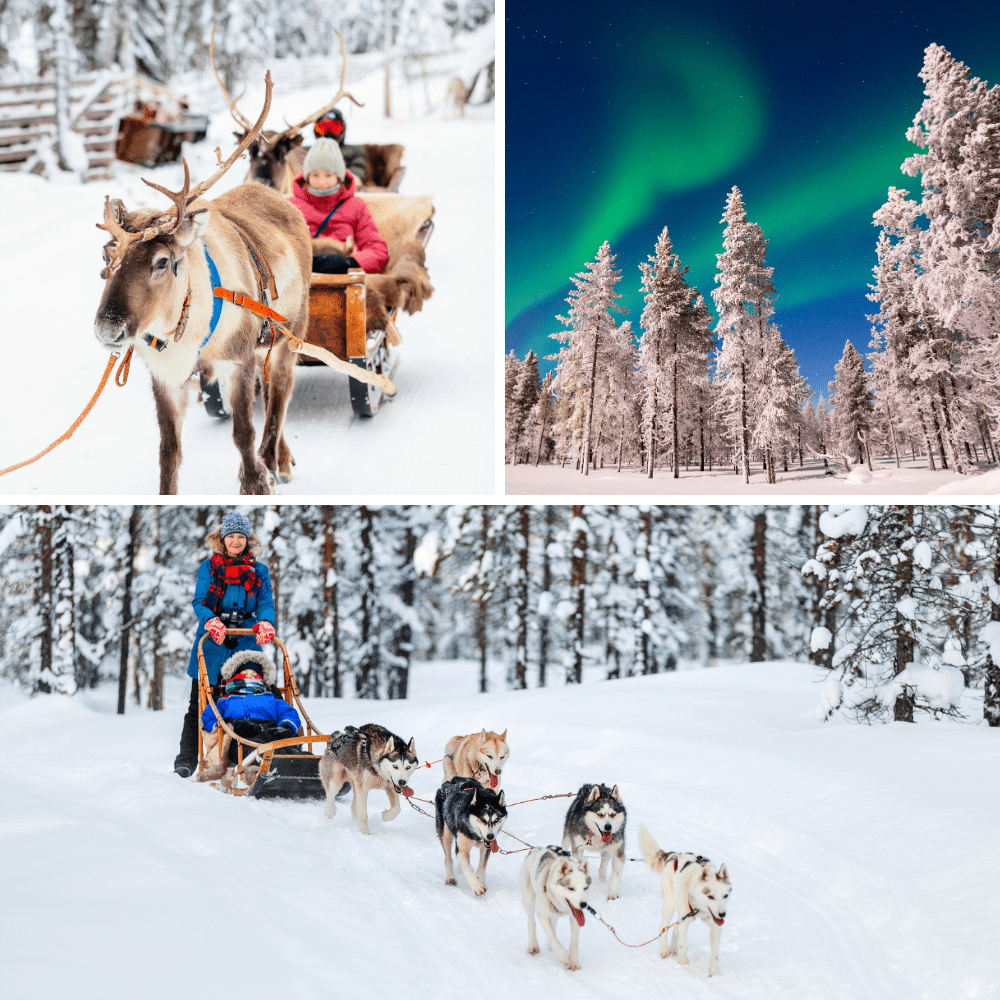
137 875
913 479
415 445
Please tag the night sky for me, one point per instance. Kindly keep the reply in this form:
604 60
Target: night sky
625 118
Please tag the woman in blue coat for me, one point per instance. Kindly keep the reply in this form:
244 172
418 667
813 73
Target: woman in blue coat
233 591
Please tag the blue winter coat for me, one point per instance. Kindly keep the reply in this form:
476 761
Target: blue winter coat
235 598
252 706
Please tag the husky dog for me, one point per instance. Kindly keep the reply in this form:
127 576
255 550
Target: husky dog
554 884
367 758
478 755
465 814
696 888
597 817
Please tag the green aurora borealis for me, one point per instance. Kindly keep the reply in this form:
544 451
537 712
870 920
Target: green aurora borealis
620 124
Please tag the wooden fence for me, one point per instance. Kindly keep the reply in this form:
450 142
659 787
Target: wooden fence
28 123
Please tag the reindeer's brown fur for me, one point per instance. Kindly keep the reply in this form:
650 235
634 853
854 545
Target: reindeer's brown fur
139 298
275 164
404 285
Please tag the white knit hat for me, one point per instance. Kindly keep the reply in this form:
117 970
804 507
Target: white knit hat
325 154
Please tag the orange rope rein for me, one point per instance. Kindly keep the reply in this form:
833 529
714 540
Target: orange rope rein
120 379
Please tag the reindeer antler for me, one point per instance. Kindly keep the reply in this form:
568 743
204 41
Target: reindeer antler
233 110
293 130
181 199
121 238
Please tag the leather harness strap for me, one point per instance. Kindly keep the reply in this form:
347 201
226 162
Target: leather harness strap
257 308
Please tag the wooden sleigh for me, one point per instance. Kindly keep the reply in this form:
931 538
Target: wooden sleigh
338 302
254 761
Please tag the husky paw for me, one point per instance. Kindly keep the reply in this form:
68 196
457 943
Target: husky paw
388 815
478 888
612 895
331 809
450 881
533 951
572 966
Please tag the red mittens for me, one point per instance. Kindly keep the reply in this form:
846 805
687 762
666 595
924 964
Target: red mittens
216 630
264 632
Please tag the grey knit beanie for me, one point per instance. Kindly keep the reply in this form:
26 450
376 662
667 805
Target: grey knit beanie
325 154
235 524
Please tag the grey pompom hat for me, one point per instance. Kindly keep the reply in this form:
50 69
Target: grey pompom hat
324 154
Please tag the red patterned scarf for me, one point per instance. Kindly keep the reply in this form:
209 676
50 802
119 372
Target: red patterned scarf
228 570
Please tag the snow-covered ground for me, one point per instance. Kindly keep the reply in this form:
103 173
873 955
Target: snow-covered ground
863 858
435 437
812 480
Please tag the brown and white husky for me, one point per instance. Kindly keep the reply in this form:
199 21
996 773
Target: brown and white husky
479 755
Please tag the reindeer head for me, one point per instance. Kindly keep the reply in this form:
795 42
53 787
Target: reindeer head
145 272
268 156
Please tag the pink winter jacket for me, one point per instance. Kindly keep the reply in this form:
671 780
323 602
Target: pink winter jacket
351 219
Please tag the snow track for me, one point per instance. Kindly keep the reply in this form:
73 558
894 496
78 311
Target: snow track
145 884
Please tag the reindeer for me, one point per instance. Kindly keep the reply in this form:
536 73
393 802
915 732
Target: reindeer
160 272
276 158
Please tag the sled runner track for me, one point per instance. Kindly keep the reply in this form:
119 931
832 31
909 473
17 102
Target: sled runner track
852 938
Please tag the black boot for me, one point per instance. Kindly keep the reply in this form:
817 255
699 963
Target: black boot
187 760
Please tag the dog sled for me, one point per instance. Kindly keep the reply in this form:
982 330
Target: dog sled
278 769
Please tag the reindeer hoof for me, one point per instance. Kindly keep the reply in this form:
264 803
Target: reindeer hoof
284 477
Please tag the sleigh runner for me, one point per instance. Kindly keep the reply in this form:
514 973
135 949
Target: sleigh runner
278 769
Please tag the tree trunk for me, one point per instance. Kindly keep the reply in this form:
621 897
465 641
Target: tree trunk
578 588
677 471
482 633
44 601
892 431
61 31
642 591
758 617
330 644
399 672
126 626
543 623
744 441
521 599
366 680
903 708
590 413
927 439
991 690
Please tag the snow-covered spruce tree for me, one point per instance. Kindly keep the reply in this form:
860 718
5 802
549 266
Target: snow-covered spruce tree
744 302
852 404
511 373
525 397
959 127
897 652
779 390
610 590
592 339
673 348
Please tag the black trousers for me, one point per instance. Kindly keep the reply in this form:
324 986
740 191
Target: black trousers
189 733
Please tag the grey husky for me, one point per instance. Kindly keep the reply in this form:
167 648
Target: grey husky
466 814
368 757
695 888
596 818
554 884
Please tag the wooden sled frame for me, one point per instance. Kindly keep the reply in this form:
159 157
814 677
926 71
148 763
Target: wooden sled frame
338 324
262 752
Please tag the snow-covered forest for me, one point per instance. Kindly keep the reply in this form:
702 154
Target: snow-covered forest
686 392
897 606
163 39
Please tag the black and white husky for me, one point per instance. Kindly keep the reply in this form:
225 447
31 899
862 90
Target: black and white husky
597 819
368 757
466 814
692 886
554 884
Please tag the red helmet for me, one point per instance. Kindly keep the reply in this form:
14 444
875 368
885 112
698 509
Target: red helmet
331 126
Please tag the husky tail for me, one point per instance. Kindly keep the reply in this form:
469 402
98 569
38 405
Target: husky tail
655 858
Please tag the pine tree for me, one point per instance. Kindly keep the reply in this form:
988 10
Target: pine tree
852 403
674 345
592 335
744 302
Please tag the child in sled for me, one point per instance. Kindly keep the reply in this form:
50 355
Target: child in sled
250 708
343 231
